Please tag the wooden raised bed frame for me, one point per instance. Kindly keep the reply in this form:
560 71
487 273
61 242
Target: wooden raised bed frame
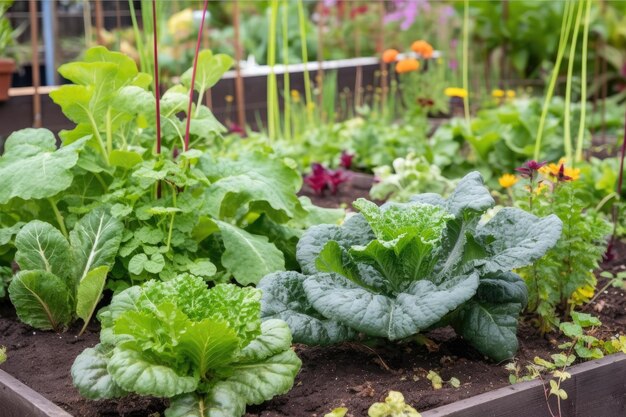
596 389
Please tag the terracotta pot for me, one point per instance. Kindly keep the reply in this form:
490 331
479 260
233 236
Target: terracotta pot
7 66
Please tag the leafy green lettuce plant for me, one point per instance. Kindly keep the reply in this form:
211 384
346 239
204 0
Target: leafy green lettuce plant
61 279
205 349
396 270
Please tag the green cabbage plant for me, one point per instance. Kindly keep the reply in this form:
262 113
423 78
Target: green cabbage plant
396 270
205 349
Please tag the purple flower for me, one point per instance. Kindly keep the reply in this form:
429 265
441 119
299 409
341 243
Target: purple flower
407 11
530 169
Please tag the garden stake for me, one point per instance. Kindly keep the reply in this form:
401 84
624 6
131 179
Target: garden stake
34 36
578 156
379 49
99 23
239 87
193 76
320 54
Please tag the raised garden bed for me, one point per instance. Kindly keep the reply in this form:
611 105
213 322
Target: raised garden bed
355 376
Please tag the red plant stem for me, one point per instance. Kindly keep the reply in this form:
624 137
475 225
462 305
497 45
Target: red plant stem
193 76
157 91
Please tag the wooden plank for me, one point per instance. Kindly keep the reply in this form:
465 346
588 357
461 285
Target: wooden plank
17 400
597 388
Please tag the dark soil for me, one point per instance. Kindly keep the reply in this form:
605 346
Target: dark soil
351 375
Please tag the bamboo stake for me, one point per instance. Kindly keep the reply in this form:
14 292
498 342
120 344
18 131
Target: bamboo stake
358 79
34 38
320 53
384 86
87 23
239 85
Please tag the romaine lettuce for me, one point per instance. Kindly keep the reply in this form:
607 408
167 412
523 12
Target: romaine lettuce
206 349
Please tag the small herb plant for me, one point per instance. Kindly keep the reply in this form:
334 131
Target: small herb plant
563 279
407 177
394 406
396 270
205 349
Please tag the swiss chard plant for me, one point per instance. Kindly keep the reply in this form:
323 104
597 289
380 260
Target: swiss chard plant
204 349
62 279
196 211
400 269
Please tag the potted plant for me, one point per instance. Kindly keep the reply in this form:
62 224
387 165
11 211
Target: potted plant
7 38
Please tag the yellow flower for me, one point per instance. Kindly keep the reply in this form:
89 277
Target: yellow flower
229 98
180 24
510 93
508 180
497 93
455 92
582 295
295 96
552 171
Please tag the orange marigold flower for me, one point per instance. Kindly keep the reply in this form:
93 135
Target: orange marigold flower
423 48
559 172
508 180
407 65
390 55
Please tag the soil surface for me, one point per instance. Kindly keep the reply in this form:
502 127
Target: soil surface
351 375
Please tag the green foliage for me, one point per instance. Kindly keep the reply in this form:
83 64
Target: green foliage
3 354
399 269
407 177
564 277
205 349
181 212
61 279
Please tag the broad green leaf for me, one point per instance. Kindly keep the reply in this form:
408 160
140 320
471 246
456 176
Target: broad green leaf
355 231
124 159
421 305
254 182
275 337
514 238
134 372
248 257
95 241
209 71
284 298
90 375
203 268
258 382
41 246
209 344
490 328
41 299
89 292
7 233
32 168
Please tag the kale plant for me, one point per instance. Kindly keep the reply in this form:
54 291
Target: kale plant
205 349
403 268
